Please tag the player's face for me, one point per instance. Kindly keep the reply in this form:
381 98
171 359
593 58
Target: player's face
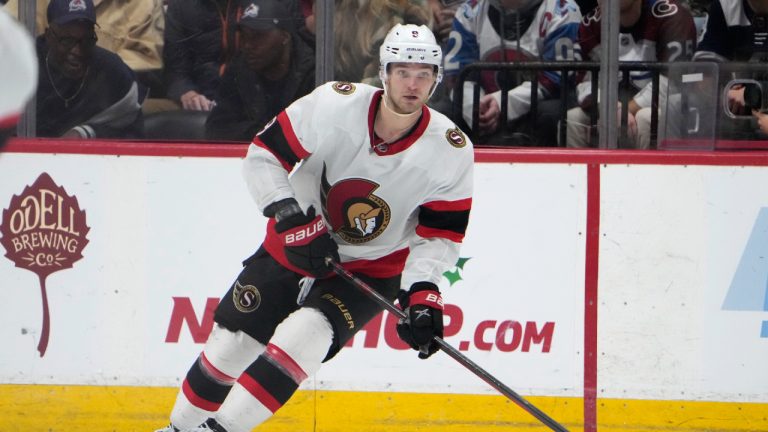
410 85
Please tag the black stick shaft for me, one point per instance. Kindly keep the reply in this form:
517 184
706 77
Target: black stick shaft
451 351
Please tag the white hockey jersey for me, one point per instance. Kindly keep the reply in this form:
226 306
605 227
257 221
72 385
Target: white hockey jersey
18 70
382 203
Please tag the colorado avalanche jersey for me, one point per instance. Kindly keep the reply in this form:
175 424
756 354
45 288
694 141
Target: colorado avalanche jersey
549 34
730 35
665 32
402 205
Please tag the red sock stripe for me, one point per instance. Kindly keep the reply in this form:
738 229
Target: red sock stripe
214 373
259 392
196 400
282 360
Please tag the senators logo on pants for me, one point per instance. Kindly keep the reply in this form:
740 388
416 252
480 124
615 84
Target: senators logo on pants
353 212
246 298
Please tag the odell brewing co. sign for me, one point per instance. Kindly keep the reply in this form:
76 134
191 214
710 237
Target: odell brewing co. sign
43 230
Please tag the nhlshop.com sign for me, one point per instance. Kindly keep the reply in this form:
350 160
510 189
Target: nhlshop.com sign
488 335
153 242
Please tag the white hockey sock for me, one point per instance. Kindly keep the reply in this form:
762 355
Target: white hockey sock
225 356
296 350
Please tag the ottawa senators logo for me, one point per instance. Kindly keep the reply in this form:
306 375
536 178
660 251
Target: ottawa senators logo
353 212
456 137
246 298
345 88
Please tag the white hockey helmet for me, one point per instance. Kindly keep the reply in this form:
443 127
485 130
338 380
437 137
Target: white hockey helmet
409 43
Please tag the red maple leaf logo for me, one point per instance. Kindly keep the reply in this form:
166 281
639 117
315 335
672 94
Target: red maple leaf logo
43 230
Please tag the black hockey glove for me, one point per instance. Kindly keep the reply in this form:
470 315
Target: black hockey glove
307 242
423 308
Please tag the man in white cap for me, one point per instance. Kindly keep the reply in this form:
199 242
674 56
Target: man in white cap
363 196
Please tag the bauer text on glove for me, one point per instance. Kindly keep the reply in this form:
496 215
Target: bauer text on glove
307 242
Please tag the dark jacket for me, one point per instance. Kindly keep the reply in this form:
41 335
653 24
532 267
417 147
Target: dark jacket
106 103
247 101
194 50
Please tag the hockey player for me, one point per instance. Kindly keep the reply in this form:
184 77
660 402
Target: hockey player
511 31
365 195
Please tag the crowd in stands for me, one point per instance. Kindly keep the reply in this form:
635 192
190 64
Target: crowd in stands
220 70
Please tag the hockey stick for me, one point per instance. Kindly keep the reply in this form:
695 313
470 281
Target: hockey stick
450 350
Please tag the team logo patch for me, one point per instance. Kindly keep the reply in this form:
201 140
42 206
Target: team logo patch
345 88
353 212
246 298
456 137
252 11
77 5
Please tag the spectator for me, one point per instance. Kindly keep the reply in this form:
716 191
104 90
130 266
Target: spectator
84 91
18 73
357 45
650 31
512 31
443 12
762 122
273 68
132 29
200 38
736 31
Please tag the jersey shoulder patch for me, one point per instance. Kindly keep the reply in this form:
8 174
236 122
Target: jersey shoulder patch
456 137
344 88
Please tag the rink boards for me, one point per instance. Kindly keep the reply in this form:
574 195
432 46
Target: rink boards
615 290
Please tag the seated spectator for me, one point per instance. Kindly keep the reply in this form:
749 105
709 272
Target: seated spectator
762 122
84 91
273 68
357 45
736 31
650 31
443 12
199 40
132 29
513 31
18 73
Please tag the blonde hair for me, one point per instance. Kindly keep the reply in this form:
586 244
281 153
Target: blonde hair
360 27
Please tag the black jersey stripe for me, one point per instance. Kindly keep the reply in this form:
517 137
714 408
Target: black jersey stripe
280 139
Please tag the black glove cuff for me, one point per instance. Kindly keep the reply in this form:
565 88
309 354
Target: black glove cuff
282 209
423 286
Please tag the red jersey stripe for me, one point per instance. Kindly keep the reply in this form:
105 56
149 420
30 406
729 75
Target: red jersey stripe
427 232
459 205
